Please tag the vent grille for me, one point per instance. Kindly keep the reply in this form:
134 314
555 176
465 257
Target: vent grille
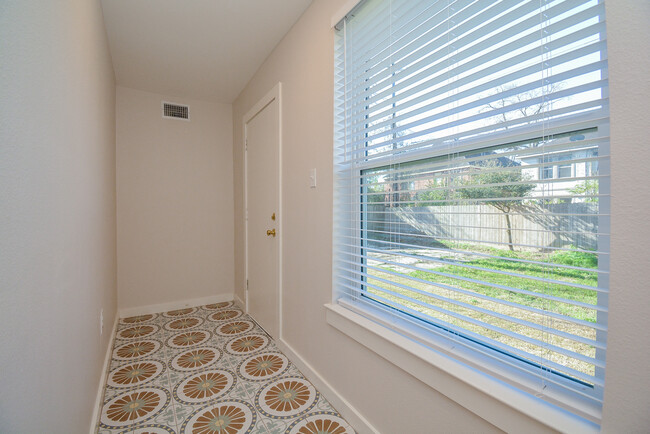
176 111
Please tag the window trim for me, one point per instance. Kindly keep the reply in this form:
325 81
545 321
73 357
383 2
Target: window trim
426 361
485 363
370 325
497 382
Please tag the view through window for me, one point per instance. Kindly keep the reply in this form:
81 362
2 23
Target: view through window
472 177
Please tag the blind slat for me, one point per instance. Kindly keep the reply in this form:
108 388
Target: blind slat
471 267
470 240
443 142
493 342
541 312
351 251
353 301
474 321
565 93
550 146
520 337
495 51
401 119
522 291
471 180
537 372
434 35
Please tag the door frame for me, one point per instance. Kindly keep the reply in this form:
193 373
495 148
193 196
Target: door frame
274 94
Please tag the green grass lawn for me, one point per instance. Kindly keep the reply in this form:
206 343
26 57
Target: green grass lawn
588 278
550 271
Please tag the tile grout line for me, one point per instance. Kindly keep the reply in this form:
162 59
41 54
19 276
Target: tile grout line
246 390
252 399
169 380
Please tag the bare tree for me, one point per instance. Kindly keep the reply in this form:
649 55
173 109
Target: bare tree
525 111
502 189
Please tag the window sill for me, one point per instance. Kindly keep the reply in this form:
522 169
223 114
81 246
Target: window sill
427 364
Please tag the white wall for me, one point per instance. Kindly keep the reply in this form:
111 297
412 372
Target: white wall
174 201
57 212
390 399
627 378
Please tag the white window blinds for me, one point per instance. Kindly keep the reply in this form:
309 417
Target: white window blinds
472 180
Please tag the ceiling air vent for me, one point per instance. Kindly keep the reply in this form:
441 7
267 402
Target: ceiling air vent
176 111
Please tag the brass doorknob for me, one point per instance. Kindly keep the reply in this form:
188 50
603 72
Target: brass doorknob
270 233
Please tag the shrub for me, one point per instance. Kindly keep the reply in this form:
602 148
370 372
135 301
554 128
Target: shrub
575 259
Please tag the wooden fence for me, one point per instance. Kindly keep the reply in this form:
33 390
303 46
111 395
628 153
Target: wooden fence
553 225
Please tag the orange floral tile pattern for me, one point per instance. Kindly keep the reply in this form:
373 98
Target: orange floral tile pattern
230 417
195 359
217 306
183 323
322 422
286 397
179 312
234 328
135 374
247 344
138 319
133 407
189 339
137 332
136 350
210 370
204 386
225 315
263 367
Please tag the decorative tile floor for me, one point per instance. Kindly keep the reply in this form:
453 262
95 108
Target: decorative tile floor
209 369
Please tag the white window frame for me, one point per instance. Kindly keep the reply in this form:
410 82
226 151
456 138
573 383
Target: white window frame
413 347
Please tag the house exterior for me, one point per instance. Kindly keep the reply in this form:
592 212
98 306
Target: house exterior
564 171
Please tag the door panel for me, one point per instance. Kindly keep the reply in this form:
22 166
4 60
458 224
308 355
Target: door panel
262 176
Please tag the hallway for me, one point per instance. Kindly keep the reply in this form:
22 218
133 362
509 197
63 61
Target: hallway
209 369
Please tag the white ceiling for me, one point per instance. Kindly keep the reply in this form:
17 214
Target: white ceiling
203 49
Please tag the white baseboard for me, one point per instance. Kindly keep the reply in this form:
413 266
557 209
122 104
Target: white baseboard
240 303
349 413
164 307
94 422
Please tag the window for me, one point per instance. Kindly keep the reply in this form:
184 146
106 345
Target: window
547 172
472 184
591 165
562 170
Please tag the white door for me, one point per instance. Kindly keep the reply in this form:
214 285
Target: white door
262 135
